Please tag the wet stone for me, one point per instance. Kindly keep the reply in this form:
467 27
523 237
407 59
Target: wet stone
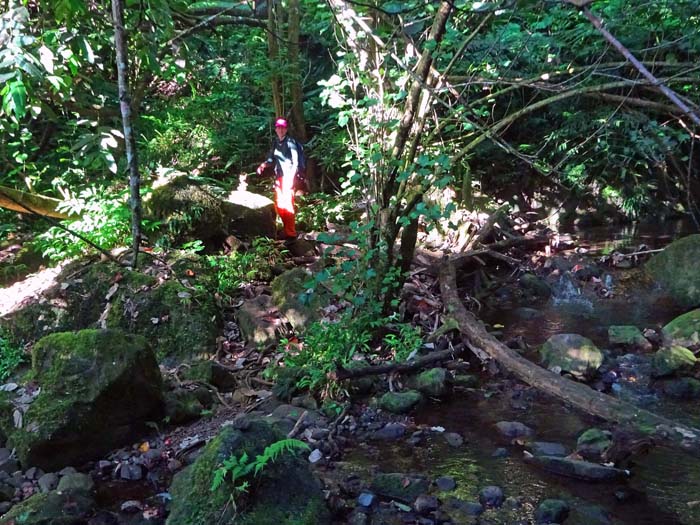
425 504
132 506
545 448
5 453
48 482
390 431
445 483
4 507
10 465
491 496
470 508
551 511
33 473
131 472
454 439
366 499
76 481
500 452
514 429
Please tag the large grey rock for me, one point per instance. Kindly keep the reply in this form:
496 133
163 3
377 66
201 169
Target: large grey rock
300 305
571 353
98 389
189 210
677 270
258 321
51 508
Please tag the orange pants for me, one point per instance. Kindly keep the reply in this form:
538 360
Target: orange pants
284 203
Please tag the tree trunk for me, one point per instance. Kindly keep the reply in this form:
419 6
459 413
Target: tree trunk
273 33
576 394
129 141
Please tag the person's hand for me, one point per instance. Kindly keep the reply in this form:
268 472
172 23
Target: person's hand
261 168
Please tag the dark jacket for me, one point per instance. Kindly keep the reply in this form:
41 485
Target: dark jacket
283 151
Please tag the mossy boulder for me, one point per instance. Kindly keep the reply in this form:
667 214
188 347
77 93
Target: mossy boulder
184 405
400 487
51 508
571 353
671 360
533 285
628 336
592 443
301 306
684 330
16 262
284 492
552 511
98 389
400 402
677 270
178 316
434 382
191 210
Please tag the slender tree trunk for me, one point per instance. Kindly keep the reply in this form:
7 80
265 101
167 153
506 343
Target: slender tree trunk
129 140
273 33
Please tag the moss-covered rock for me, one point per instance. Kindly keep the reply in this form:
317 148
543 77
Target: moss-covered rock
592 443
535 286
670 360
98 388
433 382
182 406
51 508
299 305
400 487
628 336
571 353
18 262
552 511
400 402
465 381
284 492
684 330
677 270
178 316
255 321
190 210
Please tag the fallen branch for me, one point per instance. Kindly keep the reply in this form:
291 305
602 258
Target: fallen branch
576 394
410 366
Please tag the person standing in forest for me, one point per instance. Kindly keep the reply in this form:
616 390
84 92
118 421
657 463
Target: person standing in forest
284 157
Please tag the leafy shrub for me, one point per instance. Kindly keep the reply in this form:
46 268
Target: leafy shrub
239 268
11 355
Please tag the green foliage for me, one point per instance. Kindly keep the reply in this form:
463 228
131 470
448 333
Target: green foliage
405 342
316 211
105 221
239 268
238 468
11 356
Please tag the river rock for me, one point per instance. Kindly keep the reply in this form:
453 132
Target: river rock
98 389
577 469
670 360
400 402
514 429
257 321
400 487
285 490
571 353
684 330
544 448
75 482
628 337
425 504
491 496
552 511
466 508
390 431
593 443
676 269
535 286
445 483
432 383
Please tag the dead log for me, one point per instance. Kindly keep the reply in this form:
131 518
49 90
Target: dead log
24 202
576 394
409 366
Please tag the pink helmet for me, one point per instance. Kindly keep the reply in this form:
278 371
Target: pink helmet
281 123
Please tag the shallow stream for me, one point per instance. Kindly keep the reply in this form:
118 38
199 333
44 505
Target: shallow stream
665 484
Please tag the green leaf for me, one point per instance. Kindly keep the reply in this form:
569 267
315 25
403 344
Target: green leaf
16 99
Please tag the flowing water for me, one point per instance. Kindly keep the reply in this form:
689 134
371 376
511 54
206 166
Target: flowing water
665 484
